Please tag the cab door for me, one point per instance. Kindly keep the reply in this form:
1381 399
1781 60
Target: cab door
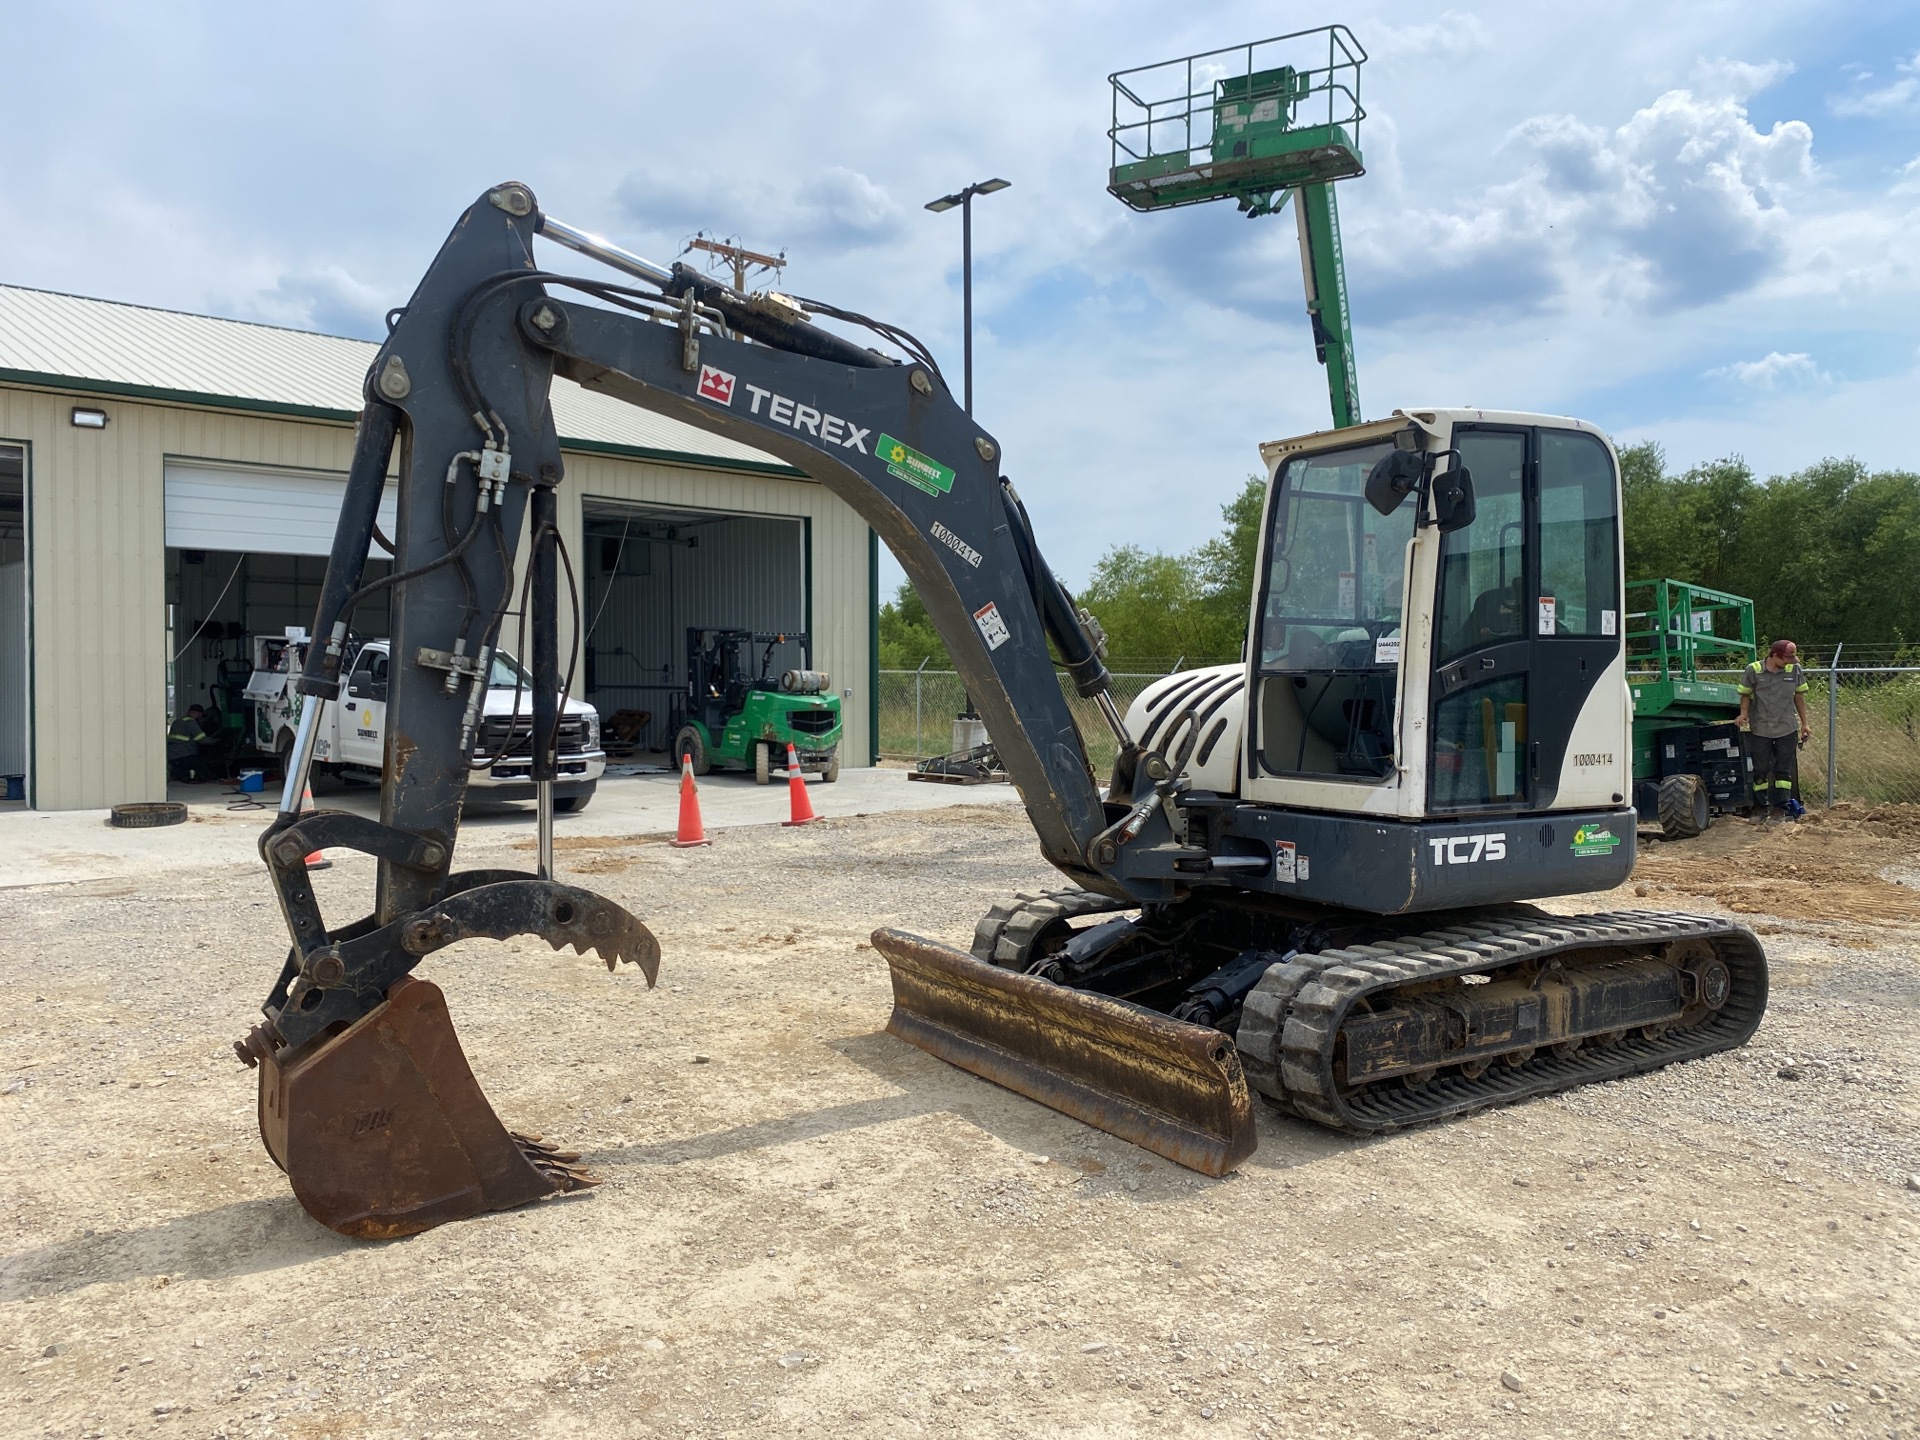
1527 616
363 711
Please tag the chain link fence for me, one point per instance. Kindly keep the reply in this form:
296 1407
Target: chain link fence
917 709
1865 720
1866 731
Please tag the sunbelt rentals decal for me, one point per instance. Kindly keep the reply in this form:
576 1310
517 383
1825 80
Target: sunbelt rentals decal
1594 840
908 464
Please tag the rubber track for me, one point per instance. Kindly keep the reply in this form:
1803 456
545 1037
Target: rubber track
1293 1017
1006 936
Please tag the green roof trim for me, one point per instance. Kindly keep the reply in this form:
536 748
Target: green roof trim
129 391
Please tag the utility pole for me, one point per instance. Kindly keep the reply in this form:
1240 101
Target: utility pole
964 199
738 258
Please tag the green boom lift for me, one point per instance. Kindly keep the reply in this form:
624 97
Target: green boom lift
1689 757
1256 124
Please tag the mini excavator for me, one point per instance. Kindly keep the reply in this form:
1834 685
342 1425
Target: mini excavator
1304 876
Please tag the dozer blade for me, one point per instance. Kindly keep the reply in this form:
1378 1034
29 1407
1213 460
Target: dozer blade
383 1130
1169 1087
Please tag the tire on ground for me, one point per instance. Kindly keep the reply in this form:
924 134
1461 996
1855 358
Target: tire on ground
146 814
831 771
1683 807
762 763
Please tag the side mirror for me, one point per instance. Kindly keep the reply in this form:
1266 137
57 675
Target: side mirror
1453 498
1394 476
358 687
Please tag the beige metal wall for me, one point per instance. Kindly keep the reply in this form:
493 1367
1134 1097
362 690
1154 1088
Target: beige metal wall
97 521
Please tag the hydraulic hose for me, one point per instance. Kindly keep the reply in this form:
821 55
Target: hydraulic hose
1057 611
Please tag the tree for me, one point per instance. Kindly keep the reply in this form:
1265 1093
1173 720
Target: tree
907 636
1160 608
1226 564
1829 553
1682 527
1148 603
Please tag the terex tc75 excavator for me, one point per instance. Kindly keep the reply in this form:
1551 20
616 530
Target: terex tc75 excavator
1301 876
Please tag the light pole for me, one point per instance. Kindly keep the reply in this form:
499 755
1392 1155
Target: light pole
964 199
968 732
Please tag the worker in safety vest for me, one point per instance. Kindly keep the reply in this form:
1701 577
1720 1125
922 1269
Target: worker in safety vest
183 744
1773 710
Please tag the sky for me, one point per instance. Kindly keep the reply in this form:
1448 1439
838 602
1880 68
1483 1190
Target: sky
1689 224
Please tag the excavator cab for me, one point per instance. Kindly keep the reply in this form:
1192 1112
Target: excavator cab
1420 669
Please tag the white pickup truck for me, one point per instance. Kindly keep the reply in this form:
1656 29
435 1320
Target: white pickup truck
352 738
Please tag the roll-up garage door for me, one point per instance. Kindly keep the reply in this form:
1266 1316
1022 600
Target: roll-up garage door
273 512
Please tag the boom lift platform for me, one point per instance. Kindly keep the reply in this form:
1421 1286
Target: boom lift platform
1300 875
1256 124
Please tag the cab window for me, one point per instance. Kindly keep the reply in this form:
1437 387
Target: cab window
1579 583
1329 639
1483 599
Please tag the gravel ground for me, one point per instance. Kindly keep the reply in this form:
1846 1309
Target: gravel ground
810 1228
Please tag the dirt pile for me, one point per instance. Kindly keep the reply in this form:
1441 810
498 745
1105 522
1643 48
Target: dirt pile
1848 865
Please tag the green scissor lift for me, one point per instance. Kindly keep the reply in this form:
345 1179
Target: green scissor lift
1689 758
1256 124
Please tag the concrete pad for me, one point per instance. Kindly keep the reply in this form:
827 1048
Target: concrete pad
72 846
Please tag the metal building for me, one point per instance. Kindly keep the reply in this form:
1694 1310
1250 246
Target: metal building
168 488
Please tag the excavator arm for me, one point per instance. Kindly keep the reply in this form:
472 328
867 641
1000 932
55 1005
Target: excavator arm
366 1099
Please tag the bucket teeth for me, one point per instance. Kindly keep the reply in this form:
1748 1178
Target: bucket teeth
256 1045
555 1164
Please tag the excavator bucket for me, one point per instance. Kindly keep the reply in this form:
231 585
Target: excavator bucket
383 1130
1169 1087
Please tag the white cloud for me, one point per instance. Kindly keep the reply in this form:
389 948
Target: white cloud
832 209
1722 78
1453 35
1684 204
324 298
1901 97
1772 371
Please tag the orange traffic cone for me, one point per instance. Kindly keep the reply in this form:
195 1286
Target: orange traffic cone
318 859
797 792
691 832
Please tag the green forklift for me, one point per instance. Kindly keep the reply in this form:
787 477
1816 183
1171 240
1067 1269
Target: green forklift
737 716
1686 647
